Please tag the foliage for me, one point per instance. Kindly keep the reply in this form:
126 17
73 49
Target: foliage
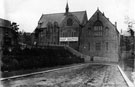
38 58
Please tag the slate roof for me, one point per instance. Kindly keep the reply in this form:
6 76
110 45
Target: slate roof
59 17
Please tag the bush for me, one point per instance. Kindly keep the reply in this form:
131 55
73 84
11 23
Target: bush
38 58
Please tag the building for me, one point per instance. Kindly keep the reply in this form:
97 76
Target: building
25 39
61 28
7 40
7 37
100 38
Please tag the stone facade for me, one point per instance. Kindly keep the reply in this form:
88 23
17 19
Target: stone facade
61 28
49 35
6 34
100 38
6 37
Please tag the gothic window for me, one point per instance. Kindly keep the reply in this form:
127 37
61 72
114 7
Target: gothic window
69 22
48 27
98 46
98 28
48 31
55 26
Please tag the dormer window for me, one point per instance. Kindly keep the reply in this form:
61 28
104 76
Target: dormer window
69 22
98 28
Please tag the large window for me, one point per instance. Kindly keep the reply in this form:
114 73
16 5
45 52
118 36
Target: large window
98 46
55 26
48 28
69 22
98 28
48 31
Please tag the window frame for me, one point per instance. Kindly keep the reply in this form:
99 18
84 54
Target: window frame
98 29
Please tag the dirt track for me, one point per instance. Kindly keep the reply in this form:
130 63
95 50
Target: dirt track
96 75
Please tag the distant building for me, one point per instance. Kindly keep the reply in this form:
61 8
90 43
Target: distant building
100 38
7 39
25 39
126 43
61 28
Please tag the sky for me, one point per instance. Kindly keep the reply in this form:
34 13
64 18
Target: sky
28 12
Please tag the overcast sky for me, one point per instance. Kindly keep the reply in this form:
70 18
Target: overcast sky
27 12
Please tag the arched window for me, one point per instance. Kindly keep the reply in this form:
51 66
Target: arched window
48 31
69 22
55 26
98 28
49 25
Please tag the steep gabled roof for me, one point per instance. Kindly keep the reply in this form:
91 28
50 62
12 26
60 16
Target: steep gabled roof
99 13
59 17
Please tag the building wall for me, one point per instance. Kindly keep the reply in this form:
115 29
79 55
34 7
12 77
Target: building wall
49 35
1 37
70 31
5 27
6 33
109 40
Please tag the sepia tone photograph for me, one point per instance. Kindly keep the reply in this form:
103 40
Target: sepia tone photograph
67 43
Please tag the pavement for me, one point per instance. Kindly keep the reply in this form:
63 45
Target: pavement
130 84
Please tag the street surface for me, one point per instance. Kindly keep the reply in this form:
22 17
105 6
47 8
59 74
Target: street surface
96 75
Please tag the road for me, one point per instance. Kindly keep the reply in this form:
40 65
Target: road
87 75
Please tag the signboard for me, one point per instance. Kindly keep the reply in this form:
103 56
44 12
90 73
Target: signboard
64 39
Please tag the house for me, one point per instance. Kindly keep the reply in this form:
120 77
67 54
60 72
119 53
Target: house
100 38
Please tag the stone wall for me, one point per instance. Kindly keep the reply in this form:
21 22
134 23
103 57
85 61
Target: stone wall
109 36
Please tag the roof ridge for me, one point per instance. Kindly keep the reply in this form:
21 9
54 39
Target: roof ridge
63 12
52 13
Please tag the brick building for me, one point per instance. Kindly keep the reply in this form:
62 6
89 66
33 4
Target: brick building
61 28
100 38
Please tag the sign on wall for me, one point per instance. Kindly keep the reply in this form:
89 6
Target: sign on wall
62 39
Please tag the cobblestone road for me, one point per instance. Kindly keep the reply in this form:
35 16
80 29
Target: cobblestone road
97 75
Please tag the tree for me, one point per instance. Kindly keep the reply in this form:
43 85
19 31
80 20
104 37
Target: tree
130 23
15 29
